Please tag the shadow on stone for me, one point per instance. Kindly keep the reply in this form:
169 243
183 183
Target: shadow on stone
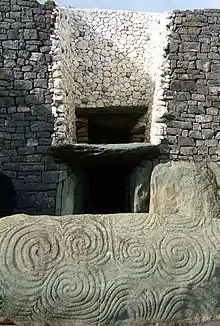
8 197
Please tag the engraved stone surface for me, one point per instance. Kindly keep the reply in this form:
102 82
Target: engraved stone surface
125 269
104 270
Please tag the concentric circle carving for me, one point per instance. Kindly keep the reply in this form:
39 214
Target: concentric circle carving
87 241
30 252
183 259
136 257
74 293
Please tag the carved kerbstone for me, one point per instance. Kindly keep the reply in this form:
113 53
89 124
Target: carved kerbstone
127 269
124 269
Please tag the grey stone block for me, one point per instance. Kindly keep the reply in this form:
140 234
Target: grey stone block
186 141
23 84
6 101
30 34
10 44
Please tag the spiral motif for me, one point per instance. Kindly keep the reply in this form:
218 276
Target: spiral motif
182 259
31 251
213 234
74 293
181 301
144 305
142 222
87 241
137 258
113 303
181 222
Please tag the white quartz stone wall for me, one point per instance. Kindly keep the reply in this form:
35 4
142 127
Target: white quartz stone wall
115 59
62 85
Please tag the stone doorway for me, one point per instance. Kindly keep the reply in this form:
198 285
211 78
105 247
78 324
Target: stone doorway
8 197
105 178
107 190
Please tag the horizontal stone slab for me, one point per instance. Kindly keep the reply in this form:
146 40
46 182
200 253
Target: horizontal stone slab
89 154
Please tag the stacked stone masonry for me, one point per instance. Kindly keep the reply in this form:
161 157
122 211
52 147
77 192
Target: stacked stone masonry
113 59
26 122
56 62
193 97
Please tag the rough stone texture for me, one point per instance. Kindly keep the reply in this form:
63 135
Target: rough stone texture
123 269
192 97
140 187
26 121
90 154
166 64
188 189
70 195
120 269
105 59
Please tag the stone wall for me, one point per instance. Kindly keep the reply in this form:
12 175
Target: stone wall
167 64
112 59
193 97
62 83
26 122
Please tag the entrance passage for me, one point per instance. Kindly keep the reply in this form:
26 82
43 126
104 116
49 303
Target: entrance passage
7 196
107 190
115 125
112 130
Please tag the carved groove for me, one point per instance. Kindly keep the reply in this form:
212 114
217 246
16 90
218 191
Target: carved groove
156 273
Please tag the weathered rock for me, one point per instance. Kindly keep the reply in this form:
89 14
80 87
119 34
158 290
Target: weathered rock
70 195
124 269
26 120
189 189
89 154
140 187
114 61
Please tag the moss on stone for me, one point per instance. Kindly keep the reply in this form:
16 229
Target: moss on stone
49 3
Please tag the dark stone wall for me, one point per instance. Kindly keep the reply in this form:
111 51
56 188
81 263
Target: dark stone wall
193 96
26 122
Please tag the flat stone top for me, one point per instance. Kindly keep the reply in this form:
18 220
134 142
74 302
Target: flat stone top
89 154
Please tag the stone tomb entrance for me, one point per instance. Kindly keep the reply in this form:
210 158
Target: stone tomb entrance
111 125
105 178
105 162
8 197
107 189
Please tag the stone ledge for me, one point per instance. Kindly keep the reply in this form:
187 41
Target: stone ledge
89 154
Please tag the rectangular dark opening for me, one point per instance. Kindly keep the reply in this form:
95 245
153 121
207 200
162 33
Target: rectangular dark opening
108 132
111 125
107 190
